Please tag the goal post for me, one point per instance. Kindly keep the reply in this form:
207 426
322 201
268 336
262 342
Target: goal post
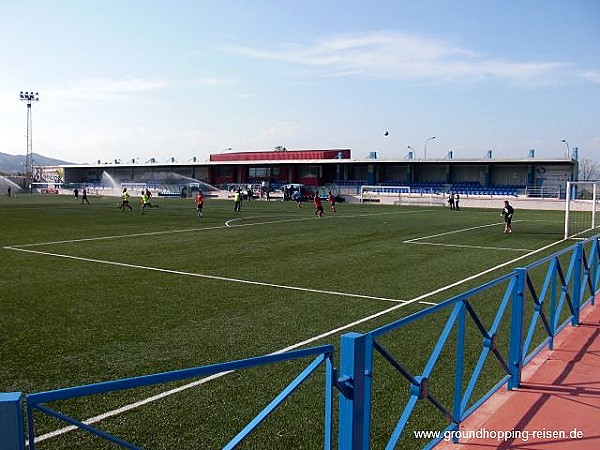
399 195
133 187
384 194
582 209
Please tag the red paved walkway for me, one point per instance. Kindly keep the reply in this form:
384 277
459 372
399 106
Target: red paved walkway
560 392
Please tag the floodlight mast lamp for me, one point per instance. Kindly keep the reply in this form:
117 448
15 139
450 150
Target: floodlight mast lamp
568 149
425 147
29 98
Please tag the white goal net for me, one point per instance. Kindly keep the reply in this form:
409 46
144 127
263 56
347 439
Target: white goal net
399 195
134 188
582 209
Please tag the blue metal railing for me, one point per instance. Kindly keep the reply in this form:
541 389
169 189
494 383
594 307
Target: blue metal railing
565 289
360 348
322 355
533 304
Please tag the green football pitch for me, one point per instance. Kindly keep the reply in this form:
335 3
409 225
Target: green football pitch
90 293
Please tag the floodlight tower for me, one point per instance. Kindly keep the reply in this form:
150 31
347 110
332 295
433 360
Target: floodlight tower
425 147
29 98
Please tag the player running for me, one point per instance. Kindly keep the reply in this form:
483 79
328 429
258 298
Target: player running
125 200
199 203
149 194
331 200
318 205
237 201
145 201
297 197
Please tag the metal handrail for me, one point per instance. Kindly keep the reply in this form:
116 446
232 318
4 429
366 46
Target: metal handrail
321 354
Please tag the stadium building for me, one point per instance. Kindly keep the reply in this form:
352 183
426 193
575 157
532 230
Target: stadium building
336 169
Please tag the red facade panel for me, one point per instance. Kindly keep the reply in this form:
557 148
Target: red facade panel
284 155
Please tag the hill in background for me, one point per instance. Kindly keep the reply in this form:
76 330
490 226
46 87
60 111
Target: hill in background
13 164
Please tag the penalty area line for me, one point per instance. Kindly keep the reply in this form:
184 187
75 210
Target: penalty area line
446 233
478 247
202 275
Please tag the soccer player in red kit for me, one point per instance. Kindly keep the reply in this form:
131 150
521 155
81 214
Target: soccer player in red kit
331 200
318 205
199 203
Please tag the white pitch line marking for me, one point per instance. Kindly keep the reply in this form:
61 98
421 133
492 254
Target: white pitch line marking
202 275
480 247
216 227
461 230
410 241
228 222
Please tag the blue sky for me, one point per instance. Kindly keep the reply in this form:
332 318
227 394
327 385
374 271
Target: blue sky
125 79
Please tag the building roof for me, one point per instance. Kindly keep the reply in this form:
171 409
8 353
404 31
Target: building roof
398 161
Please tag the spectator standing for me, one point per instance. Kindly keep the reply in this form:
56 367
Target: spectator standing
451 200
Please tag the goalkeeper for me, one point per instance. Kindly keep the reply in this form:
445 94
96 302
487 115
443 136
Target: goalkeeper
507 212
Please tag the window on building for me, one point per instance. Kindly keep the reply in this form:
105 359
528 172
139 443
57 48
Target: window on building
224 171
263 172
310 172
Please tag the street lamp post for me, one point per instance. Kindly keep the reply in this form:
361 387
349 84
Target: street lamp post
29 98
425 147
568 149
412 150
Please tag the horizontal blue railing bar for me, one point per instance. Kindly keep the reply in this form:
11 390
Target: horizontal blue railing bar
322 354
545 259
441 306
176 375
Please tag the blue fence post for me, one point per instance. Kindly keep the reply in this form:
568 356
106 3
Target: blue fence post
595 263
460 364
11 421
553 319
356 352
576 292
592 262
515 352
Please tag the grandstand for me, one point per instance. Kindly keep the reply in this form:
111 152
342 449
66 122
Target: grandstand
486 177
